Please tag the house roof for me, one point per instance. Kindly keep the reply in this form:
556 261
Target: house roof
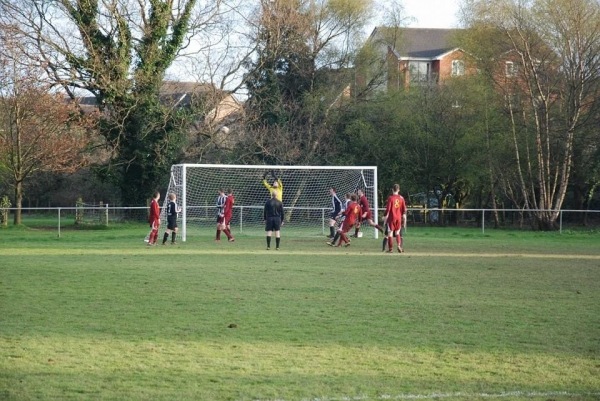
417 43
172 92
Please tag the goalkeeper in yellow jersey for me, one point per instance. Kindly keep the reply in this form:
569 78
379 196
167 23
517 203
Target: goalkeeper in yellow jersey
276 187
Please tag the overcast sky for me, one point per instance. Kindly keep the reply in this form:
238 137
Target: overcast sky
431 13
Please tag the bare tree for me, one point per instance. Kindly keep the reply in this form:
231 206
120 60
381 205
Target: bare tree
543 55
300 72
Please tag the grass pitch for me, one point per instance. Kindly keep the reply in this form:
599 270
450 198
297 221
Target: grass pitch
97 315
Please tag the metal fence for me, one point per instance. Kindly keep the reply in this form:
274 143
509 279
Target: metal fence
249 218
501 218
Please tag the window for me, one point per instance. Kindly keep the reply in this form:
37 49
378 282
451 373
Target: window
458 68
511 69
512 101
419 71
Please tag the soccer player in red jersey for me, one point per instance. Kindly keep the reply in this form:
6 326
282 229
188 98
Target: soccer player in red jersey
351 217
154 219
228 214
395 217
366 213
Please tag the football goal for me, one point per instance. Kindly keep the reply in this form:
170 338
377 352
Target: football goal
306 198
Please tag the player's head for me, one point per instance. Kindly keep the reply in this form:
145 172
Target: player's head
230 191
220 191
360 192
353 197
273 194
275 184
156 195
332 191
396 188
348 195
172 196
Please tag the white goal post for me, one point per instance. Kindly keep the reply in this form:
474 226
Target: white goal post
306 198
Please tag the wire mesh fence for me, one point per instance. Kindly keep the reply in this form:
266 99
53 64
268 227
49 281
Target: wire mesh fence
249 220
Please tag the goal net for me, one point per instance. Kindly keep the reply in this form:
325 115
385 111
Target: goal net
306 197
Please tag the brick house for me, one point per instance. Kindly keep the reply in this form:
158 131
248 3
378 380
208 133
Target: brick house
416 56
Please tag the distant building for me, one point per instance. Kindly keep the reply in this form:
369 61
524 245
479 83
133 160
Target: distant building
219 107
413 56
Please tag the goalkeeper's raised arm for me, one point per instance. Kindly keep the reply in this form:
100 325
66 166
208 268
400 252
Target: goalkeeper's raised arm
276 187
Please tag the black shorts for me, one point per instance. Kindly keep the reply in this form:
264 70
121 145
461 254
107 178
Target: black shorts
273 224
171 223
334 215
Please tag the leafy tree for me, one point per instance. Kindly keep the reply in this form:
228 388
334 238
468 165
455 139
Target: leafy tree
425 138
118 51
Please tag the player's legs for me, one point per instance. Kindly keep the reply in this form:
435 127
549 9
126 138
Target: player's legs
334 239
277 229
343 234
171 229
269 234
401 239
332 227
377 226
153 233
344 239
219 228
269 230
385 240
398 241
393 230
357 229
227 230
390 231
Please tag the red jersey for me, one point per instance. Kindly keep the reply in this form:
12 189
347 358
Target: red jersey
228 210
154 211
352 214
364 206
395 208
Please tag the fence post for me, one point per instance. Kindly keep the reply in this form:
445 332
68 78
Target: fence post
106 215
560 219
483 221
58 222
241 219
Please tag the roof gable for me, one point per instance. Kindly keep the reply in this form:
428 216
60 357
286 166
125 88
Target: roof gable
417 43
174 93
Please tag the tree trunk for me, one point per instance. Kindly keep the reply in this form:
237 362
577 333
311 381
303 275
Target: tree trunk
18 202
